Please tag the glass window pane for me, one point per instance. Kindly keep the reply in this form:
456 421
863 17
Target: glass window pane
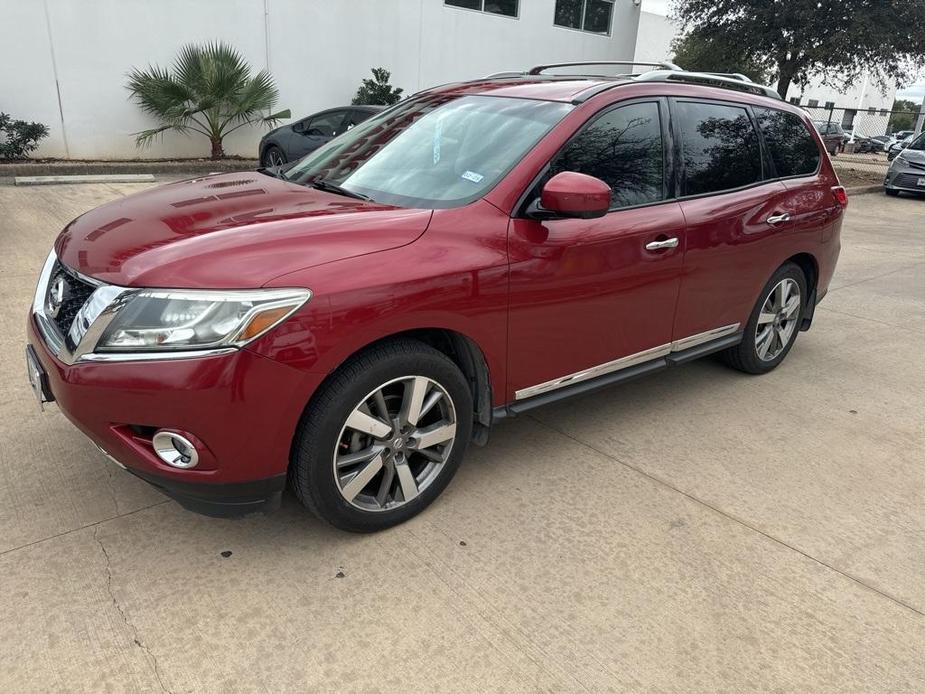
326 125
438 150
623 148
506 7
720 148
597 16
792 148
568 13
468 4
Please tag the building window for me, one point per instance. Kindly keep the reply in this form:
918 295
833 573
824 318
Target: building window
795 100
830 104
813 103
882 111
507 8
872 111
587 15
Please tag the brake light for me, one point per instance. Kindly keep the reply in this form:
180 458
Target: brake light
841 195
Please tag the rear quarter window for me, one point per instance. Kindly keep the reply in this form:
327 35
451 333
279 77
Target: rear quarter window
791 145
720 147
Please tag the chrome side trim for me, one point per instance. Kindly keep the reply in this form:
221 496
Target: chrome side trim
701 338
594 371
627 362
155 356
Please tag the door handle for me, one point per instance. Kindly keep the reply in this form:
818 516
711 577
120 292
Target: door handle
776 219
659 245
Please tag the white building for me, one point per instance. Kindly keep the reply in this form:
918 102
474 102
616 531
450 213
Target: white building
863 106
65 62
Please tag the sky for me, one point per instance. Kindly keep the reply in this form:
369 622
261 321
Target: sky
655 6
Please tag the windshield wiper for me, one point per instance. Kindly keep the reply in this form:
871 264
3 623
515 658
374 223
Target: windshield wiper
331 187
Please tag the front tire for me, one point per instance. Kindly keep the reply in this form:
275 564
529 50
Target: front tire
273 156
891 192
773 325
383 437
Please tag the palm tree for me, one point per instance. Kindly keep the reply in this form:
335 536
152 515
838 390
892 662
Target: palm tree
210 91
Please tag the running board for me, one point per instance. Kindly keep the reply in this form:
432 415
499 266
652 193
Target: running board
623 375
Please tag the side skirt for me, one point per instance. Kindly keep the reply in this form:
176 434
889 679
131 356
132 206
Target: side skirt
628 374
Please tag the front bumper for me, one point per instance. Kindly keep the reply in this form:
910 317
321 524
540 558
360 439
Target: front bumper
240 407
905 178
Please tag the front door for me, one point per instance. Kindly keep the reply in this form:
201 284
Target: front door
590 297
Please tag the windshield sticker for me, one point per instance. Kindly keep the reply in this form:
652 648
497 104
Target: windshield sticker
472 176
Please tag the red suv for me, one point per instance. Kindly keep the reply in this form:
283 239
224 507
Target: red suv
477 250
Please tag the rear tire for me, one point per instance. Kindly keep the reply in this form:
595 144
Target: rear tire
773 325
383 436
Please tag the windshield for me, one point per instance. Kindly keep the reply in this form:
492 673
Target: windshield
918 144
439 150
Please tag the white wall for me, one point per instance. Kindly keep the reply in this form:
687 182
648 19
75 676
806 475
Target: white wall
653 42
317 50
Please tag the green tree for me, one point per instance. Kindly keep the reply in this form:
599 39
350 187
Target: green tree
210 91
378 91
702 52
837 39
906 119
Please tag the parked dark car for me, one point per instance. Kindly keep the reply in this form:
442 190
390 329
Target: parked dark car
350 325
832 135
907 172
894 148
294 141
878 142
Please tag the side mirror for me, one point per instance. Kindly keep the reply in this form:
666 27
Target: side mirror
298 127
571 194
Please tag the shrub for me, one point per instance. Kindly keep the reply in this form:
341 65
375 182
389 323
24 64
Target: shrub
377 91
19 138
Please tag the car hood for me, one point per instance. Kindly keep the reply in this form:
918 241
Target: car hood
911 155
228 231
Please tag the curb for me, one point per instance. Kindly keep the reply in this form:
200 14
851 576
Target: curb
94 168
82 178
865 190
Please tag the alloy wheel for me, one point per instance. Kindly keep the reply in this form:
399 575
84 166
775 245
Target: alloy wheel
394 443
778 320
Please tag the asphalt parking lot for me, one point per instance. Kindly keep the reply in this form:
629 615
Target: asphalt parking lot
700 530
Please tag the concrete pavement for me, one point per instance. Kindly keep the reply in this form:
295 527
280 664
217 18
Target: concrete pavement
699 530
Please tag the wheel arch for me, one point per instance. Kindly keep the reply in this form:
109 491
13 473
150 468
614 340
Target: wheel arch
463 351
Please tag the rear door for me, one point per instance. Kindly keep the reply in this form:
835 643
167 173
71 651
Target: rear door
732 210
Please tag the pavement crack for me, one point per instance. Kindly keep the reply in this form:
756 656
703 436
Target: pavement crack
149 655
733 518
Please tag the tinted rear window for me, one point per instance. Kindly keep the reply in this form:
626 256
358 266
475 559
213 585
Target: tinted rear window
792 147
720 147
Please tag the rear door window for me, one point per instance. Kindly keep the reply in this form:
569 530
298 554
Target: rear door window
624 149
793 149
719 145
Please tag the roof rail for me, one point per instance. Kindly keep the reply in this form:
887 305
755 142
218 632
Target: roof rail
709 79
539 69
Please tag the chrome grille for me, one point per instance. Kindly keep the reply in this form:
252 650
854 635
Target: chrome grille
75 294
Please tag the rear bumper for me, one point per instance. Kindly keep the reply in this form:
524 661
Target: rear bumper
241 409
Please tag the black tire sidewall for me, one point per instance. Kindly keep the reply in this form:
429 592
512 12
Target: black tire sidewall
266 161
325 419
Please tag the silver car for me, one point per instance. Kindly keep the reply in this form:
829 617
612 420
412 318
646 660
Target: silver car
907 172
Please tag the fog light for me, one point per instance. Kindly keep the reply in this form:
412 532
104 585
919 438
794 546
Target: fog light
175 450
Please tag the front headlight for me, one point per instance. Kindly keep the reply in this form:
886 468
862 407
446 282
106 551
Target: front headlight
168 319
